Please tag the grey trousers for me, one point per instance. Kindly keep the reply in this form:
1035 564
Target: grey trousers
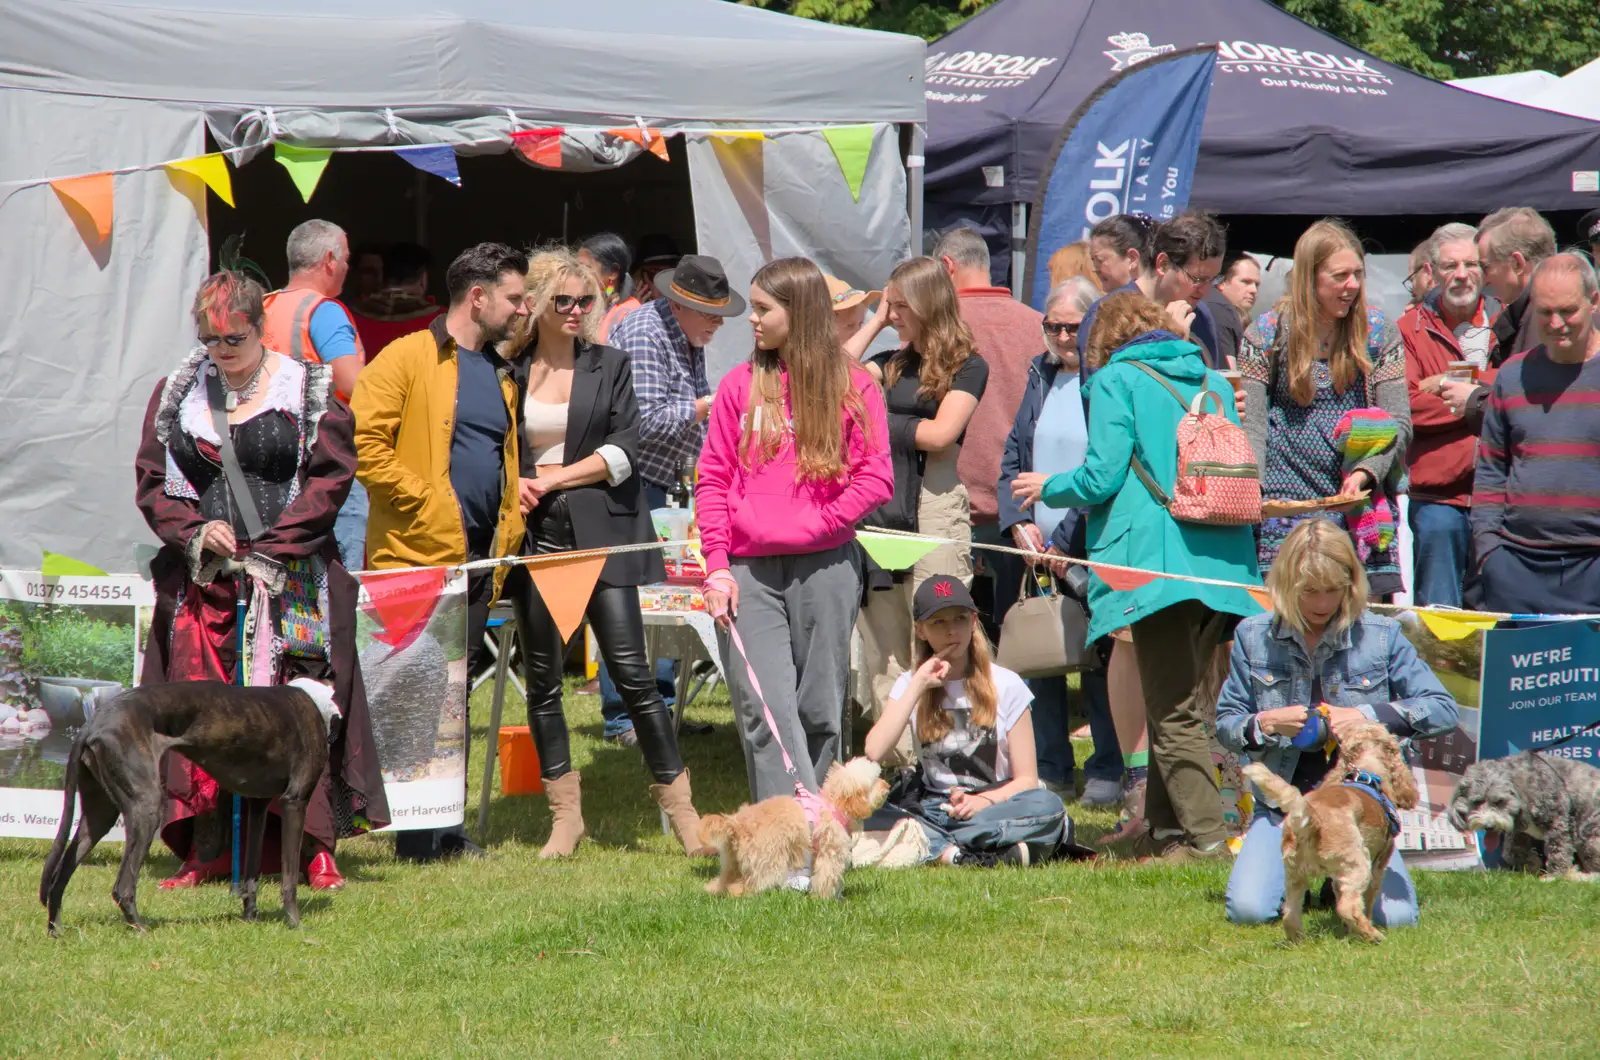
795 617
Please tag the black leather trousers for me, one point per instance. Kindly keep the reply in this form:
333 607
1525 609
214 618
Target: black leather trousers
618 625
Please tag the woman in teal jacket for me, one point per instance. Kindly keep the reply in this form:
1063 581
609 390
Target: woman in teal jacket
1177 625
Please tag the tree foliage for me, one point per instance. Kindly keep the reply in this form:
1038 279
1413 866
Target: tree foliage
1440 38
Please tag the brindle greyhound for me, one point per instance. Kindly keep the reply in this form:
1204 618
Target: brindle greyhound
262 743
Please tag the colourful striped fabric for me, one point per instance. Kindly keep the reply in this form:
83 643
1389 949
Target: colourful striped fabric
1538 473
1362 434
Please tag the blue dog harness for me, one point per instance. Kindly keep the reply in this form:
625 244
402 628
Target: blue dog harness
1370 783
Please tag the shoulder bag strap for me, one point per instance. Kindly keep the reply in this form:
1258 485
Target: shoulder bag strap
237 486
1141 472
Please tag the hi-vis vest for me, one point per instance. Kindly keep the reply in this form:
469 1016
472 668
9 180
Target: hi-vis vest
286 323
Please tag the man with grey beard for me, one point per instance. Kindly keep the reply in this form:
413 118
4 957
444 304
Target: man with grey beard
1450 325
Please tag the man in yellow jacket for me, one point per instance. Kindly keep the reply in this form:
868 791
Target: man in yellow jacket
437 442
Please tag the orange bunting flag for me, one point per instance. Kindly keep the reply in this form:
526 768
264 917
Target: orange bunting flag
1262 597
565 586
402 602
542 147
649 139
88 202
1125 581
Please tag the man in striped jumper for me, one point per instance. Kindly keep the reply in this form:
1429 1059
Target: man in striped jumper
1536 496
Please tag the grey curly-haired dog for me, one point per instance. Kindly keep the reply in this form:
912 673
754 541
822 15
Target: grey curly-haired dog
1541 797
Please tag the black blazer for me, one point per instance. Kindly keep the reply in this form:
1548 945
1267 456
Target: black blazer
603 411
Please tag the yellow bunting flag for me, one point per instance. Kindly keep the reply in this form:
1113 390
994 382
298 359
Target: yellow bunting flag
305 165
1454 626
565 585
55 565
852 147
213 169
739 134
88 201
894 552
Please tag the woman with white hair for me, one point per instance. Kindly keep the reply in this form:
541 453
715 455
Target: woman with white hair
1051 435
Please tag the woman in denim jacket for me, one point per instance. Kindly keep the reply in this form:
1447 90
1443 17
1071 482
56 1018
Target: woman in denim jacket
1318 644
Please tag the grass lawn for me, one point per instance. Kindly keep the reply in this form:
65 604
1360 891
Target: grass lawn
618 952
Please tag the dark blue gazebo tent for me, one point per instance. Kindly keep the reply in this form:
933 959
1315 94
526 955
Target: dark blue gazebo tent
1299 122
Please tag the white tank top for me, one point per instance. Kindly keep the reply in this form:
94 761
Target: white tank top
544 430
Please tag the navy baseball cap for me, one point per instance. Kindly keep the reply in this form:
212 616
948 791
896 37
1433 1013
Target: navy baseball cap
937 593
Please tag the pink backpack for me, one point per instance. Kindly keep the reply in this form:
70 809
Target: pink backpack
1218 483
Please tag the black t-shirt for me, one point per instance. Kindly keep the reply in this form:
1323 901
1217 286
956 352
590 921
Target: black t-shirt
903 399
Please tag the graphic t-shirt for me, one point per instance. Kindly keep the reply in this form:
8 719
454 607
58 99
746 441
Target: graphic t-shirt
970 756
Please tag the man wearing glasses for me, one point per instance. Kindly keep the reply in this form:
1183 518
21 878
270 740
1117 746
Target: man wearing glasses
1419 274
1446 336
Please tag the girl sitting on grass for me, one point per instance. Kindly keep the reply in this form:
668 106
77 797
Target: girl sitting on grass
1319 645
970 721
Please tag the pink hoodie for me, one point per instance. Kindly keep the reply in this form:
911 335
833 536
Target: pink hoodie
764 511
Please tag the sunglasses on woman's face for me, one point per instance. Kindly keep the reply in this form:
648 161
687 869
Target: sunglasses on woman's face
1060 331
210 341
564 303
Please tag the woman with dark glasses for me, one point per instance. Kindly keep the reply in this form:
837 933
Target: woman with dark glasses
579 445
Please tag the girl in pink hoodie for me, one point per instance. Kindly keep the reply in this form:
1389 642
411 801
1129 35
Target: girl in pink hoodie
796 452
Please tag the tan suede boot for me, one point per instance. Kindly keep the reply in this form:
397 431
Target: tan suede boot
566 816
677 803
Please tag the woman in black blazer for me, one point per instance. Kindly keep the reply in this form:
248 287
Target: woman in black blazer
579 433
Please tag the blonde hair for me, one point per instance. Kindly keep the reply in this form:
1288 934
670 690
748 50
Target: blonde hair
1297 316
933 721
1317 555
1120 319
819 378
946 341
548 269
1073 260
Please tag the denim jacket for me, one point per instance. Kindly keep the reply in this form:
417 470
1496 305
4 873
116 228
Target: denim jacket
1370 666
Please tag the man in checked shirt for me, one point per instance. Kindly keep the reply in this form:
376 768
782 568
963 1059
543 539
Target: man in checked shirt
666 340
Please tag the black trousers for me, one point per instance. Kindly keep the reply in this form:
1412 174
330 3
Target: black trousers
618 625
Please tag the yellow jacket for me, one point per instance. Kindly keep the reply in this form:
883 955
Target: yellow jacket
404 404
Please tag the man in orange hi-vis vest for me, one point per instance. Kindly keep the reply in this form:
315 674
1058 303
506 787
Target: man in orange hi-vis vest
306 321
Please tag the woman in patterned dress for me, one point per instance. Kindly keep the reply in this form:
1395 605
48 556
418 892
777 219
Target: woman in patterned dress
1318 355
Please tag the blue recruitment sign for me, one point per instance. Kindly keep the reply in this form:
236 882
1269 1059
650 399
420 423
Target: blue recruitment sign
1540 685
1129 148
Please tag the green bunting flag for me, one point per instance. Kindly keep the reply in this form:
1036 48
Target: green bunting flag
894 552
55 565
852 147
305 165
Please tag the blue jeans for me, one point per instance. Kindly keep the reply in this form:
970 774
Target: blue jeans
1441 542
1035 817
350 528
615 714
1255 888
1052 732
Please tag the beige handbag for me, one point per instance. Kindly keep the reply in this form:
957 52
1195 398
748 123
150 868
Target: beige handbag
1045 634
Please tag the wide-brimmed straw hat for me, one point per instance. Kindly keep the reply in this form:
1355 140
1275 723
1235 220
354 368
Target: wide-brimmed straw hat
843 296
700 283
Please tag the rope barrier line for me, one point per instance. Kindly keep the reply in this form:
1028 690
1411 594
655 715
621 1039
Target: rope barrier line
1093 565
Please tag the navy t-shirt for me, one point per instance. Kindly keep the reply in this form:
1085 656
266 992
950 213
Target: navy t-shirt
1202 332
477 447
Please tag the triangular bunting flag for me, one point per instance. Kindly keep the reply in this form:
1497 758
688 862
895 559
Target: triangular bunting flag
1262 597
893 552
438 159
55 565
852 147
649 139
1456 626
1125 581
542 147
402 601
565 585
213 169
88 200
739 134
305 165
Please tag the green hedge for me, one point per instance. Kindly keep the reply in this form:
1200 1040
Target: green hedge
69 643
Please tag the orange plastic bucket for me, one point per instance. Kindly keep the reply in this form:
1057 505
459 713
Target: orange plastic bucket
519 762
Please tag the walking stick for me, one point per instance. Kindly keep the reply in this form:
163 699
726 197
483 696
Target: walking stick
241 588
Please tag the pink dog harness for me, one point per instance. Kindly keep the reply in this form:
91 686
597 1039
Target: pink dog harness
813 804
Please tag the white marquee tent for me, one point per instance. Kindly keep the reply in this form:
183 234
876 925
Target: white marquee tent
88 86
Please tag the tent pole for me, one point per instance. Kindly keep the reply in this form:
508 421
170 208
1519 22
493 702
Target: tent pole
419 198
1019 248
914 170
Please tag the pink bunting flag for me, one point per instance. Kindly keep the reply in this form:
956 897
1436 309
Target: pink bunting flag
1125 581
403 601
